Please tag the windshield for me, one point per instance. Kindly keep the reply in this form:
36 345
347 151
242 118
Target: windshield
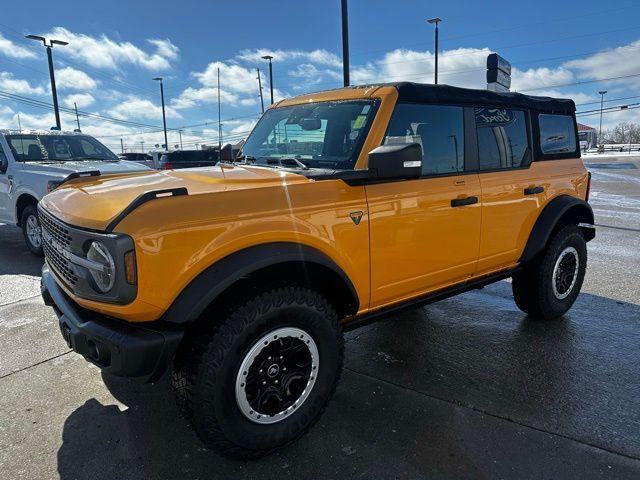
57 148
325 135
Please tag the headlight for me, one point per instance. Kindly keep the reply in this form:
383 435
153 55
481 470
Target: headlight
104 270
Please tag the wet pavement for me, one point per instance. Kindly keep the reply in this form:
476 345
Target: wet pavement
465 388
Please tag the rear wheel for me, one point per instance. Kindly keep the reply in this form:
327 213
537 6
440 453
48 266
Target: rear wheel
261 377
32 230
548 287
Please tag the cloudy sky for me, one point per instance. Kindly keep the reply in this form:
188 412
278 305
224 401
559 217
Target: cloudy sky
565 49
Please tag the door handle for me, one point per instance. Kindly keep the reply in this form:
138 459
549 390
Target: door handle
533 190
461 202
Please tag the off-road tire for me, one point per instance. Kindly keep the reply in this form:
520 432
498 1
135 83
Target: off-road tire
205 369
31 211
533 289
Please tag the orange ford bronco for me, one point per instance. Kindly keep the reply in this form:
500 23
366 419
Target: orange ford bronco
342 207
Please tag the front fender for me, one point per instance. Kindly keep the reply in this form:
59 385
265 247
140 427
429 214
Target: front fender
563 209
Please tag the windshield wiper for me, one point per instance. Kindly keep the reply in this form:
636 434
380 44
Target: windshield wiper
282 161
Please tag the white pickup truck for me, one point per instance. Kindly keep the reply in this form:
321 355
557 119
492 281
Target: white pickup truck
34 163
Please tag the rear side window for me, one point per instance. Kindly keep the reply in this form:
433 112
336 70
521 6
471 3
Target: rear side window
503 141
557 134
439 129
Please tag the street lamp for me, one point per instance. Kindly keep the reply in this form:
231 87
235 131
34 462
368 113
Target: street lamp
164 118
269 57
601 93
435 21
345 44
51 74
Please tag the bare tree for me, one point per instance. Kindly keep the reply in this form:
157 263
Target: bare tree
624 132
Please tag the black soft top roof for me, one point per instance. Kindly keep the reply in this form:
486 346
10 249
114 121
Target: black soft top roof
428 93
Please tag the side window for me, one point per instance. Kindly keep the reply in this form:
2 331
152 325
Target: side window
557 134
439 129
502 138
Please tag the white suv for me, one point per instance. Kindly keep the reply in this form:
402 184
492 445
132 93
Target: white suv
36 162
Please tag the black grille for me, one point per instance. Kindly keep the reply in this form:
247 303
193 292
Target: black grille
55 232
55 228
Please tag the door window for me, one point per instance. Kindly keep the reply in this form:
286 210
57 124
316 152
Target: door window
557 134
439 129
502 138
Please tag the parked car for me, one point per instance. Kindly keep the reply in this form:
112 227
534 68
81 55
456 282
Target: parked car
33 164
142 158
187 159
344 207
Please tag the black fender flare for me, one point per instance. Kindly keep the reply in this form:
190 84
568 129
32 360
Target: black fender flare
564 205
214 280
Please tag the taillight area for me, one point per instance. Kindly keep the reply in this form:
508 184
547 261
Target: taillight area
168 166
588 187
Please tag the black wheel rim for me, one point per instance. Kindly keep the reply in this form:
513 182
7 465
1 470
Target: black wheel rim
565 272
277 375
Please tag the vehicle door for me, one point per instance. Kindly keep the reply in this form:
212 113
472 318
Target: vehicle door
512 194
425 233
6 173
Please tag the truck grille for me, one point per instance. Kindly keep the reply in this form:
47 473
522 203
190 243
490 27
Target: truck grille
55 239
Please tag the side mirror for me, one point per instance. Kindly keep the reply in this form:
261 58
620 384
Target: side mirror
226 154
396 161
4 163
309 124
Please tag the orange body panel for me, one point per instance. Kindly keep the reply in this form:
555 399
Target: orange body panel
410 240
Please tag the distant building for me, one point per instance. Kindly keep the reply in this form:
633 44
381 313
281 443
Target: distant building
588 137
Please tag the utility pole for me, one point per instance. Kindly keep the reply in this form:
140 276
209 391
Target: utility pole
52 76
219 117
19 124
435 21
142 145
345 44
75 106
260 88
164 118
269 57
180 133
602 93
121 145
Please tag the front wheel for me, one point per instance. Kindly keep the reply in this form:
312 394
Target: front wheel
262 376
32 230
550 286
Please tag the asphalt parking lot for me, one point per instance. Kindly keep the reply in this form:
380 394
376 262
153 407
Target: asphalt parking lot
465 388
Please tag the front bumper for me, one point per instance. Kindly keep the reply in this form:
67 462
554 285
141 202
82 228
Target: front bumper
117 347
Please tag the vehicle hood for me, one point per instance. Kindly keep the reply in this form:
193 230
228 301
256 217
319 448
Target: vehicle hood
94 202
62 169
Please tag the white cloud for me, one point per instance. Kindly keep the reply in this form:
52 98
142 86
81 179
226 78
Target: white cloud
140 108
319 56
82 100
71 78
238 87
103 52
18 86
165 48
611 63
10 49
537 78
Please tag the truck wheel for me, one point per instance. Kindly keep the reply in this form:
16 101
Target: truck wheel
548 287
32 230
261 377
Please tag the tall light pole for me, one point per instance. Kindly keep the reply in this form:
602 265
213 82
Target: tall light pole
260 88
601 93
180 133
435 21
164 118
219 118
269 57
345 44
75 106
51 74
